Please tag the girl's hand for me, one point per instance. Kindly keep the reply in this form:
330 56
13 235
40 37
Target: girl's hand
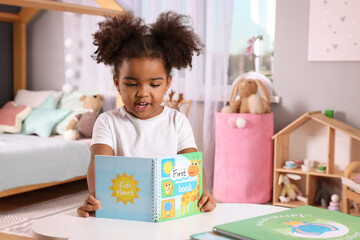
90 205
207 203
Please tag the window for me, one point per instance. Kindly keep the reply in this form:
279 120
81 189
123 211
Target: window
252 18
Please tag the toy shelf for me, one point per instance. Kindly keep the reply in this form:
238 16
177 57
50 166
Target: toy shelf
336 174
291 204
310 178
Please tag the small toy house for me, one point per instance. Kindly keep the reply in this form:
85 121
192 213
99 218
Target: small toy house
282 153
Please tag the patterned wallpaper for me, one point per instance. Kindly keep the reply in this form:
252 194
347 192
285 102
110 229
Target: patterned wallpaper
334 30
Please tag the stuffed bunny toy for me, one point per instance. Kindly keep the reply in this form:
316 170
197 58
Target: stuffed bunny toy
250 101
289 190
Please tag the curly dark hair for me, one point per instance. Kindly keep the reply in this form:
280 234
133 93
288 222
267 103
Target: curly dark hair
170 39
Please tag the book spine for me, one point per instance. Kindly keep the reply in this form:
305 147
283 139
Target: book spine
156 176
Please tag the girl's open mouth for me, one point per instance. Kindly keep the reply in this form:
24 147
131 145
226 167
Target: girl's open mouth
141 106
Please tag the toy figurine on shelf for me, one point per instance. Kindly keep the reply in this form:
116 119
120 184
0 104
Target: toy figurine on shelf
289 190
176 104
335 203
323 193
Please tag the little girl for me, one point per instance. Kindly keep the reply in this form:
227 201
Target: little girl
143 57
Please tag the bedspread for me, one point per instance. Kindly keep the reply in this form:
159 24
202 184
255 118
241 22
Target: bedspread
27 160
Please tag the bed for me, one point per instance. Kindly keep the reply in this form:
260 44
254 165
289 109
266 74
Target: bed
29 162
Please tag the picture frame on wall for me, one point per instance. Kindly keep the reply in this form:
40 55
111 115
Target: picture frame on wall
334 30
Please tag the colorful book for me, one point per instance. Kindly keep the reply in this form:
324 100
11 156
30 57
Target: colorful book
207 236
148 189
306 222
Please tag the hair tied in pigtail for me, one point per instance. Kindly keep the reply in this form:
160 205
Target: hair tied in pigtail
175 33
113 33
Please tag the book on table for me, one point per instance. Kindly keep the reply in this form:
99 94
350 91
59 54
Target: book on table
148 189
306 222
207 236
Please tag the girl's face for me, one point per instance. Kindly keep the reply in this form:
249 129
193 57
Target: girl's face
142 83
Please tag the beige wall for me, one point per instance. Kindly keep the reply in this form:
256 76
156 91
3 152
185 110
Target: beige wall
45 59
308 86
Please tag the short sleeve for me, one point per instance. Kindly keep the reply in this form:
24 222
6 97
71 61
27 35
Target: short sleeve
186 135
102 133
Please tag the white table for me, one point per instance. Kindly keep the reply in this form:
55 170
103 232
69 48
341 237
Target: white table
70 226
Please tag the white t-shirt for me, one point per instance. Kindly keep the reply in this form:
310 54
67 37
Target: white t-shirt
165 134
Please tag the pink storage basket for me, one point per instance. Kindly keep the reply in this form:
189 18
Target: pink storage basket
243 158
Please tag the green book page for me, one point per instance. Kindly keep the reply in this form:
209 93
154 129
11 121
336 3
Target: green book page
305 222
181 181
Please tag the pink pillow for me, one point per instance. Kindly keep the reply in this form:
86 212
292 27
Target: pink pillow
34 99
11 117
357 178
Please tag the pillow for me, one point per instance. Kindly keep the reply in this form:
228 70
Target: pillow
34 98
42 120
11 117
70 101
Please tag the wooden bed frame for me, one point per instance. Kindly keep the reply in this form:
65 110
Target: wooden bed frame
36 186
28 11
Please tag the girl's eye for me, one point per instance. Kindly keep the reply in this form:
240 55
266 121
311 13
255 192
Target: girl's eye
131 84
155 85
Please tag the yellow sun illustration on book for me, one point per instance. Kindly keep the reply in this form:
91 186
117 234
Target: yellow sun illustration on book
125 188
168 167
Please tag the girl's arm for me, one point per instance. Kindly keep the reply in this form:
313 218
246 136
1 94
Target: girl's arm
96 149
91 203
187 150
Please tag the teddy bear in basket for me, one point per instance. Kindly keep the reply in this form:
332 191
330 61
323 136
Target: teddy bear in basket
81 126
250 102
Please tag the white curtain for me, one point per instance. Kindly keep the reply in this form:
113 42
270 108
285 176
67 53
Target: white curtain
81 71
205 84
217 39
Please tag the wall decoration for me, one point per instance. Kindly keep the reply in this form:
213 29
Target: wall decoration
334 33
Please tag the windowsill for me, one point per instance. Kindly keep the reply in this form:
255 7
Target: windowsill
275 99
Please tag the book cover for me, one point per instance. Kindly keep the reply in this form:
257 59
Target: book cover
207 236
306 222
148 189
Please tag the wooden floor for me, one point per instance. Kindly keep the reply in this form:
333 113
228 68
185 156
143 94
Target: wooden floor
41 195
37 196
4 236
